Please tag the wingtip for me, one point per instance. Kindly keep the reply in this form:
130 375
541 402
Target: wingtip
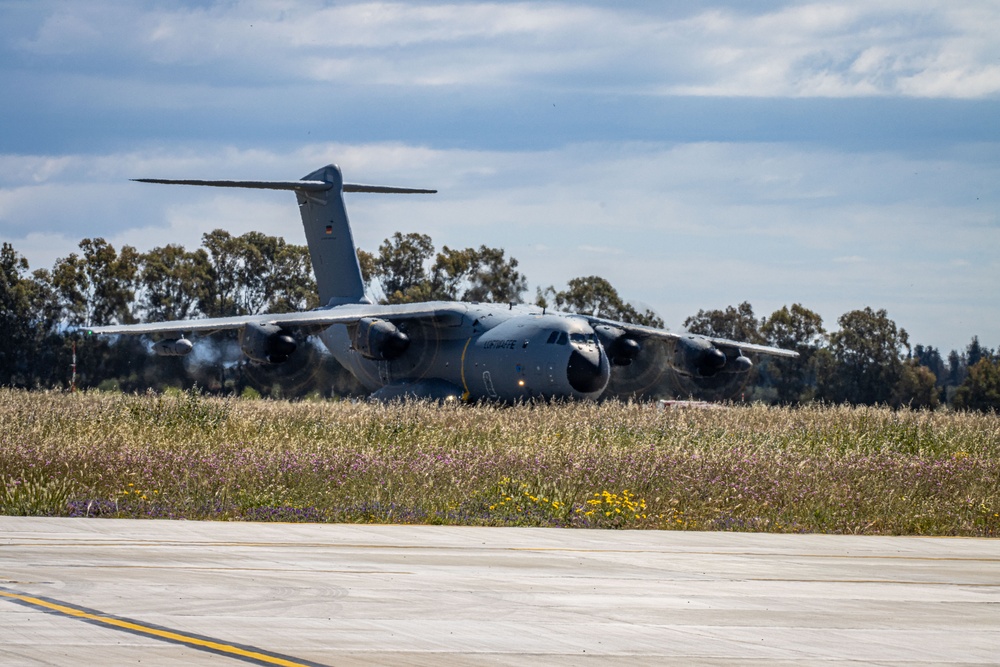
385 189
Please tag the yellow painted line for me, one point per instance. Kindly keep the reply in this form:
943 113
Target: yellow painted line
465 385
158 633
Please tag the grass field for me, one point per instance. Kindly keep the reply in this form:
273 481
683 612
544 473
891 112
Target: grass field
746 468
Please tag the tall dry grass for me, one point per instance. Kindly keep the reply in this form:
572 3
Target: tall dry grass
816 469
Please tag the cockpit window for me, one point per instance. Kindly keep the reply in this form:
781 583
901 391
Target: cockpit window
563 338
552 337
583 338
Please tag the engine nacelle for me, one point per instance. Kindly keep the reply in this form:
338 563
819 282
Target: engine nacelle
266 343
736 362
173 347
379 340
621 348
699 357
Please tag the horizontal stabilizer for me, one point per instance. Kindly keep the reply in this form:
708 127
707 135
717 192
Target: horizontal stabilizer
385 190
302 186
307 186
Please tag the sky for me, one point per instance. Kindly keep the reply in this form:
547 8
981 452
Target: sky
695 154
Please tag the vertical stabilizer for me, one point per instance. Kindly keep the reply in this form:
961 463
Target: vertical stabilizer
331 243
328 233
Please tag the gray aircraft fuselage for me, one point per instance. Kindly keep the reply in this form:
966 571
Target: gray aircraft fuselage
485 351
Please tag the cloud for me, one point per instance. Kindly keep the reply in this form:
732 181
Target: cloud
700 140
677 226
578 196
842 49
601 250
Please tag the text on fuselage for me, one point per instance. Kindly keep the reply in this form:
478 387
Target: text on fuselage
509 344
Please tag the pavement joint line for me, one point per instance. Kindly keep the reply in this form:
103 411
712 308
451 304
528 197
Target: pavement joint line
757 554
226 569
900 582
432 547
249 654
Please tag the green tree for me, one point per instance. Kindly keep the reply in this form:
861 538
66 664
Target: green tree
495 278
485 275
956 368
173 282
930 357
404 272
865 361
99 286
975 351
981 388
400 267
293 286
366 261
916 387
800 329
257 258
593 295
28 317
737 324
225 252
36 348
450 271
255 273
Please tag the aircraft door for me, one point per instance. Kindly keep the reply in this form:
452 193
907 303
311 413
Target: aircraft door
488 384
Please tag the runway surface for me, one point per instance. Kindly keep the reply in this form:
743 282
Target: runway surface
116 592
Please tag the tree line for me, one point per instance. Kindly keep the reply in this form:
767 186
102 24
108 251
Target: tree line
868 360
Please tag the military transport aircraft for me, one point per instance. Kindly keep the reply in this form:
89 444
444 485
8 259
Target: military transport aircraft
441 349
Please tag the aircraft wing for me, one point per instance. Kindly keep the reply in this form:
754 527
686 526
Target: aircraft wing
311 320
641 332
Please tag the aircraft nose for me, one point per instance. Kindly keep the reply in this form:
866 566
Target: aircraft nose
585 371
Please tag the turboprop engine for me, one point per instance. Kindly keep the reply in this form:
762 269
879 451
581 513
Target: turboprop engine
699 357
379 339
173 347
266 343
621 348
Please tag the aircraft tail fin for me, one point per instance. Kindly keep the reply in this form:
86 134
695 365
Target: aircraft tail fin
328 231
